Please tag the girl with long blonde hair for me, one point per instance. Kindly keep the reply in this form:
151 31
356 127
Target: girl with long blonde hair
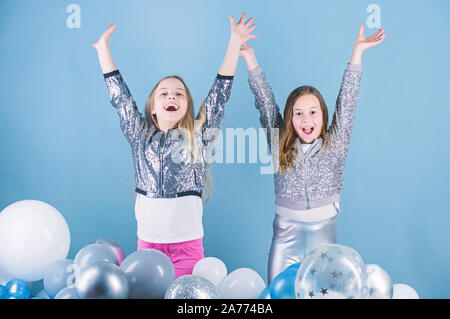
169 180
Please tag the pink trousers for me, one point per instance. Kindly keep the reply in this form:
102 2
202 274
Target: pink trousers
183 255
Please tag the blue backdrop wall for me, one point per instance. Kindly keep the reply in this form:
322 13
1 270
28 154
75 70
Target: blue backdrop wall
61 142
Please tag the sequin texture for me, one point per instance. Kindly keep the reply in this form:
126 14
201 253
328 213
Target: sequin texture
317 177
157 171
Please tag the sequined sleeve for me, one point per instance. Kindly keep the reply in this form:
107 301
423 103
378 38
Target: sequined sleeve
270 117
344 114
131 120
214 104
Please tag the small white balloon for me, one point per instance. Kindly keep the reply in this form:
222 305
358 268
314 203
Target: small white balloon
33 234
403 291
212 269
243 283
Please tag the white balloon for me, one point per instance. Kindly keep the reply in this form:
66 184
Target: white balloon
4 277
33 234
403 291
212 269
243 283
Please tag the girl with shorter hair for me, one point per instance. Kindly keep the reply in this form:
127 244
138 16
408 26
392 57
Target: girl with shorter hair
311 157
169 204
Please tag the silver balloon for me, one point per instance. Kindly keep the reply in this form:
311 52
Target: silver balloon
102 280
332 271
192 287
379 282
118 251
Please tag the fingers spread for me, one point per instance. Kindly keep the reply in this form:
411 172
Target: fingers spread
242 18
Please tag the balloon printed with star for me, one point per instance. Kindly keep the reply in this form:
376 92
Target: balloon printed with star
331 271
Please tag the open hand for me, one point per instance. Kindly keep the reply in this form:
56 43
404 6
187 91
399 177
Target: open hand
241 32
104 39
362 43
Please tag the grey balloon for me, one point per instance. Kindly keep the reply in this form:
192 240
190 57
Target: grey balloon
118 251
94 253
102 280
192 287
379 282
149 273
67 293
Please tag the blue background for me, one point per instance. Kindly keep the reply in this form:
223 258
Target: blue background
61 142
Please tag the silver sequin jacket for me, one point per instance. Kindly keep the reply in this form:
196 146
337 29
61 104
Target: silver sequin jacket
317 177
157 174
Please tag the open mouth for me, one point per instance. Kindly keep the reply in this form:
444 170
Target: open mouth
171 107
308 130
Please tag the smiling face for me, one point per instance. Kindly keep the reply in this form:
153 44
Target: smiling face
170 103
307 118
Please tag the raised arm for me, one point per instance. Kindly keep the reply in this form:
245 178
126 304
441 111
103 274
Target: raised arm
104 55
240 34
213 107
270 116
342 123
132 122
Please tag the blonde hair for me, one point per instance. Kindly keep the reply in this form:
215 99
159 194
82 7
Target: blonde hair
186 123
288 135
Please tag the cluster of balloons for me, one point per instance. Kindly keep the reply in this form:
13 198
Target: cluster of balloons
335 271
34 243
210 280
35 240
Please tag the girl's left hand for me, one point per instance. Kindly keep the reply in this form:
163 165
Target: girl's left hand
241 32
362 43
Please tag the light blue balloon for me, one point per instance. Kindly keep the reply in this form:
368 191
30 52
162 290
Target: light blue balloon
58 275
265 294
67 293
294 267
18 288
283 286
3 292
149 273
94 253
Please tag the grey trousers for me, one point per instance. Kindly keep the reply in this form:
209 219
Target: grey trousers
292 240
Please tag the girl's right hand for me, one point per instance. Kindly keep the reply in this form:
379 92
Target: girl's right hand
104 39
248 54
247 51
